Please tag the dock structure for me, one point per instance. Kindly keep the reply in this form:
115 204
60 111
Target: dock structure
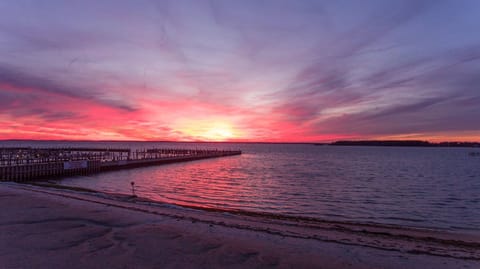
29 164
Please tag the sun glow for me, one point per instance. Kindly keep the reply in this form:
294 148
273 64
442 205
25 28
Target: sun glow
219 133
208 130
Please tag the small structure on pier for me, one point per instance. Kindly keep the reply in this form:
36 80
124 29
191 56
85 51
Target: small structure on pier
26 164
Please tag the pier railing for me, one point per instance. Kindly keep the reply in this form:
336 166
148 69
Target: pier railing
23 164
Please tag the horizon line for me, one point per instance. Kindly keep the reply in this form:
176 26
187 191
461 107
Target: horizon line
232 142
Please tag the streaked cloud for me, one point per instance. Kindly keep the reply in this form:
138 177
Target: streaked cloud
261 70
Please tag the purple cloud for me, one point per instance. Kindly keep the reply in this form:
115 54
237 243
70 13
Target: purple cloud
292 70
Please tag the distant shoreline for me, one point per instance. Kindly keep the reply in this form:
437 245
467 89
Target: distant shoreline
379 143
405 143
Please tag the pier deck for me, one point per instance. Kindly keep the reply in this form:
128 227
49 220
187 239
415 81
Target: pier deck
28 164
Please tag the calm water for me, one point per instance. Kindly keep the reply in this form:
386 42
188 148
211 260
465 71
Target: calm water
423 187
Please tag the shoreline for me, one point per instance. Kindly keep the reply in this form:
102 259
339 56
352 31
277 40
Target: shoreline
448 234
285 243
278 216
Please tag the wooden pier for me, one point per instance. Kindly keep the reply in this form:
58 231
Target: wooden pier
29 164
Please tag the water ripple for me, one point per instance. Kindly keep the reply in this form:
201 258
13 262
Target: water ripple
435 187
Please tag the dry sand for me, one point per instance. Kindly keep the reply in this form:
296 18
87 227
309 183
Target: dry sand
50 228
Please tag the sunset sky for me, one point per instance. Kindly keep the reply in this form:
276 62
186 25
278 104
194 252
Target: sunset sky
228 70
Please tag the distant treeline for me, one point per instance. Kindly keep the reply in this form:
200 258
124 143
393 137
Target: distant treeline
404 143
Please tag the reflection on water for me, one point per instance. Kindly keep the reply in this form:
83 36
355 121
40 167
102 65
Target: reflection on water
428 187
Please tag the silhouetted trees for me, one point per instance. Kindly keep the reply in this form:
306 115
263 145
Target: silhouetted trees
404 143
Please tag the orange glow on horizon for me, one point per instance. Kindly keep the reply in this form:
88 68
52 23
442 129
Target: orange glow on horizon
206 130
465 136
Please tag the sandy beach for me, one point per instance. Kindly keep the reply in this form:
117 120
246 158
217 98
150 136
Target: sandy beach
52 228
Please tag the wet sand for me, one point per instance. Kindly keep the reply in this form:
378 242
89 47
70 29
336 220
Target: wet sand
52 228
